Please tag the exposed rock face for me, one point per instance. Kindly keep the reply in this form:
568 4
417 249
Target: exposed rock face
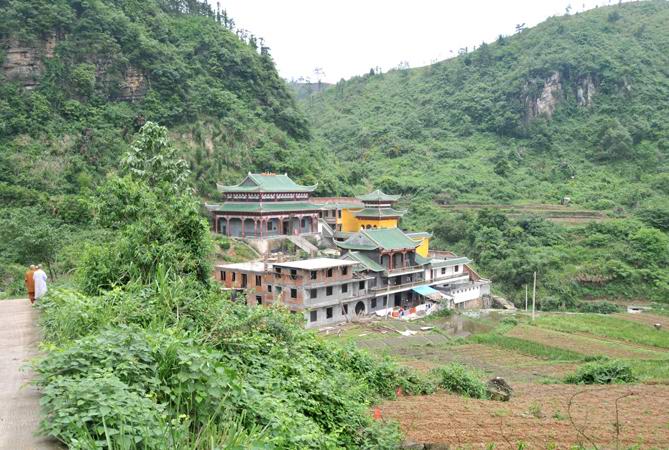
585 92
554 90
24 63
546 102
134 85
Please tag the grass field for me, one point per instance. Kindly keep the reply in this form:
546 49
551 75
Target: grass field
534 357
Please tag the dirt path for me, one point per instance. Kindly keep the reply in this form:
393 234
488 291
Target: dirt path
19 403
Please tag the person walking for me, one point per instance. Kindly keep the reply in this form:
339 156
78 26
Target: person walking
40 282
30 282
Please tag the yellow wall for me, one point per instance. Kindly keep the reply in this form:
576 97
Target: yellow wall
424 247
351 224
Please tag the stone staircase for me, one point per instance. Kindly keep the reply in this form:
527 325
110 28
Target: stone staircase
304 245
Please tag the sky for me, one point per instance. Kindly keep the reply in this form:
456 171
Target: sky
345 38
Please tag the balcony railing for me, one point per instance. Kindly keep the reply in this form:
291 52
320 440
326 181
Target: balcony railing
405 269
393 287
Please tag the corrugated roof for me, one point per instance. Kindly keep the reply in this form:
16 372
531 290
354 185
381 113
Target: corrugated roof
378 196
253 207
379 212
264 182
369 263
390 238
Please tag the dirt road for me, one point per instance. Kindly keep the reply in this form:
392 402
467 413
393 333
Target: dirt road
19 402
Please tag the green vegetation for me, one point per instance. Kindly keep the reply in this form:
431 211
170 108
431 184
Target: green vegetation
527 347
460 379
147 352
609 327
98 71
472 129
602 372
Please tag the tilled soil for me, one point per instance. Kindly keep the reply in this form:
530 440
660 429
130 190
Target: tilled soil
587 345
539 415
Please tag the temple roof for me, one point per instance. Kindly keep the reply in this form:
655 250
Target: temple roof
379 212
381 238
378 196
269 207
266 182
419 234
369 264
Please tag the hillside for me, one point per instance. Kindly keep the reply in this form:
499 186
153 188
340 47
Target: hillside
576 107
78 80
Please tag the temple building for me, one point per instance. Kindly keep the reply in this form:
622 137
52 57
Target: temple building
374 267
377 211
265 205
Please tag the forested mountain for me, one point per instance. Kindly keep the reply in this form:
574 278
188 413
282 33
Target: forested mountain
576 107
77 79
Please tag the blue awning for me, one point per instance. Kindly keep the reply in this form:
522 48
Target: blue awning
430 293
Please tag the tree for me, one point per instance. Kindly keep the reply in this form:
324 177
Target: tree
31 236
153 159
615 141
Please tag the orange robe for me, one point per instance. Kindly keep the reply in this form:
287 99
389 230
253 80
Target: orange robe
30 284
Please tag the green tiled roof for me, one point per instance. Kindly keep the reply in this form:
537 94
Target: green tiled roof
390 238
419 234
370 264
421 260
355 246
378 196
269 207
340 205
450 261
379 212
262 182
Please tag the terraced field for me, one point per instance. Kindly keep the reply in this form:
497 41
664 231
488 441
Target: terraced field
586 344
555 213
534 358
540 416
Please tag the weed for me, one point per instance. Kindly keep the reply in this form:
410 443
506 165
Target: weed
536 410
462 380
557 415
606 372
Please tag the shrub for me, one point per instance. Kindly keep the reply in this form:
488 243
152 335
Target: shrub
598 307
602 372
459 379
85 412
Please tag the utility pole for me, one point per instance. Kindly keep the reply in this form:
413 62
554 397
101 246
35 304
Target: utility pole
534 294
526 298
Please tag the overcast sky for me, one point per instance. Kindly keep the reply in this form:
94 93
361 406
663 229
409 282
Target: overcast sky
348 37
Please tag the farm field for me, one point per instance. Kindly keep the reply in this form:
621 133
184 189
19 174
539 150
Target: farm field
534 358
555 213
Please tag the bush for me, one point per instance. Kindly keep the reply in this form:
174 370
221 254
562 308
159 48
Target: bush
598 307
459 379
602 372
85 412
